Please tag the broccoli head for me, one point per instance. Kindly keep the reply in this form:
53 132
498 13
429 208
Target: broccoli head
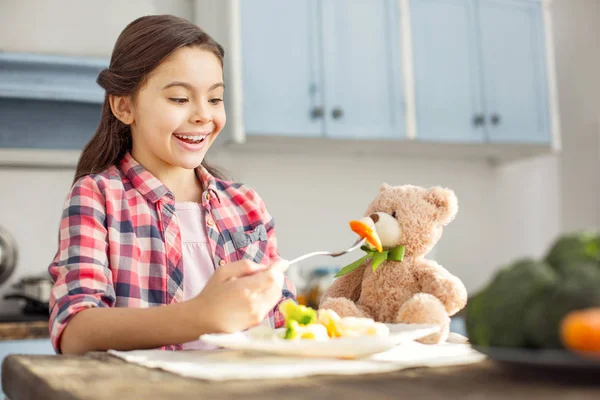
573 249
293 311
579 290
494 317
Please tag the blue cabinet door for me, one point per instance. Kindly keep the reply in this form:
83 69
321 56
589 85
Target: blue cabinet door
362 69
448 96
281 77
514 70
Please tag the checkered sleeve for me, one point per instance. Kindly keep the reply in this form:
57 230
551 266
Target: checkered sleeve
80 270
289 291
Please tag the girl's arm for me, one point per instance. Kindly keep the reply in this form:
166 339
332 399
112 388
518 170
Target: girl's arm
122 328
82 303
80 272
235 298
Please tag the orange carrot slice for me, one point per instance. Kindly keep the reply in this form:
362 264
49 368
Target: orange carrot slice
365 231
580 330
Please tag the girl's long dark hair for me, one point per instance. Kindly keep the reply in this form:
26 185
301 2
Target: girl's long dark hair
140 48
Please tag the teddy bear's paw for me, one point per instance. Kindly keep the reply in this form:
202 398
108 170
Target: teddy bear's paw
424 308
342 306
453 294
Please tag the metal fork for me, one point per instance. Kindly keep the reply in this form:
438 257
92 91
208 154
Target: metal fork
355 246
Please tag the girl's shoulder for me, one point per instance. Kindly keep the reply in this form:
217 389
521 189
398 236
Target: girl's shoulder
110 178
236 190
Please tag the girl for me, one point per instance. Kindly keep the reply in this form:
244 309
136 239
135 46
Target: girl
147 222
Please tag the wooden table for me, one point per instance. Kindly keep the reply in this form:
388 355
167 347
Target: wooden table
101 376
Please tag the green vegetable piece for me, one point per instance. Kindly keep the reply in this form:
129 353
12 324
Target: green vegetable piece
579 290
573 249
396 254
294 312
378 258
351 267
292 331
495 316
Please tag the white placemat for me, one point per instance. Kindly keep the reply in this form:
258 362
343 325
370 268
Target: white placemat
235 365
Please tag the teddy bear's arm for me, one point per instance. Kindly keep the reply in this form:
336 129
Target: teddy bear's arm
348 286
436 280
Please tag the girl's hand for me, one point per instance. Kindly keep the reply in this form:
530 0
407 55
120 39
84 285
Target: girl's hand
238 296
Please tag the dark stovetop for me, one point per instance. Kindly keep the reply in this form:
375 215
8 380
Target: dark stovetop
22 317
17 307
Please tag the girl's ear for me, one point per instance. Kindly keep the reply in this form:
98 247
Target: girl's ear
122 108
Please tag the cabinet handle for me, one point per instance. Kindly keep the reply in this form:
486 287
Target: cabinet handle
317 112
478 120
495 119
337 113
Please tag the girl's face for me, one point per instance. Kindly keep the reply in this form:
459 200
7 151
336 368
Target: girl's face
179 111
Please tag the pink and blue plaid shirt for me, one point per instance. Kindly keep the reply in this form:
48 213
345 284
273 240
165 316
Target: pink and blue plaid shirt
120 245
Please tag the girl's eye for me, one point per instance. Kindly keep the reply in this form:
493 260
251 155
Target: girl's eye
179 100
215 101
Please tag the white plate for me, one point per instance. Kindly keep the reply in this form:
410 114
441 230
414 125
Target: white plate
344 347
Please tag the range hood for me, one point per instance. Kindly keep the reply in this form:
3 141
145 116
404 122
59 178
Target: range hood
49 107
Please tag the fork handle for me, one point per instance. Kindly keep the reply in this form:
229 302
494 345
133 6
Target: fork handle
355 246
308 255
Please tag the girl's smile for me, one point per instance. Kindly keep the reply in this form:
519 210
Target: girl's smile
192 141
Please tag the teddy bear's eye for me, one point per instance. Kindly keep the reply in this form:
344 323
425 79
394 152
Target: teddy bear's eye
394 214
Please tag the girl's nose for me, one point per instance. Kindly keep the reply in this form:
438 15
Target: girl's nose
202 116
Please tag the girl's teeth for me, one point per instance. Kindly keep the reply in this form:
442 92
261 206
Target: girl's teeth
194 138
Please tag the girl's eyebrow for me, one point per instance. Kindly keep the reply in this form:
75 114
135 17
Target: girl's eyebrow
190 87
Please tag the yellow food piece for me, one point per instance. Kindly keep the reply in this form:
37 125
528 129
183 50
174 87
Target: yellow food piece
329 319
312 332
350 326
306 323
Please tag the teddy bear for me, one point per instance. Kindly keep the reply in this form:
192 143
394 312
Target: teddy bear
414 290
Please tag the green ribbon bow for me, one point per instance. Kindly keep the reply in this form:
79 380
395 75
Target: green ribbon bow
395 254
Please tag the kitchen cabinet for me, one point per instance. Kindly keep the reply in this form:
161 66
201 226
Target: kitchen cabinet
328 68
514 71
480 71
439 71
448 95
281 69
416 73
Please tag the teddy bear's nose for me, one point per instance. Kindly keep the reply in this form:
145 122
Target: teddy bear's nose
374 217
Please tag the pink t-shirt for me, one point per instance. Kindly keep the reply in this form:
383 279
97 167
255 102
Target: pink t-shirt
198 265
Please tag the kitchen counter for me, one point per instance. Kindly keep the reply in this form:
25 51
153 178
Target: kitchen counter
98 376
24 330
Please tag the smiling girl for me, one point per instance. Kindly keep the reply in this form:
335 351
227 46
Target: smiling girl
155 247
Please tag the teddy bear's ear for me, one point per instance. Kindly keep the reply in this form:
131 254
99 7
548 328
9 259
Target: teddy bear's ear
445 201
384 186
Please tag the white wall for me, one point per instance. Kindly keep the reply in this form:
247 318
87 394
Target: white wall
75 27
577 29
313 198
505 212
